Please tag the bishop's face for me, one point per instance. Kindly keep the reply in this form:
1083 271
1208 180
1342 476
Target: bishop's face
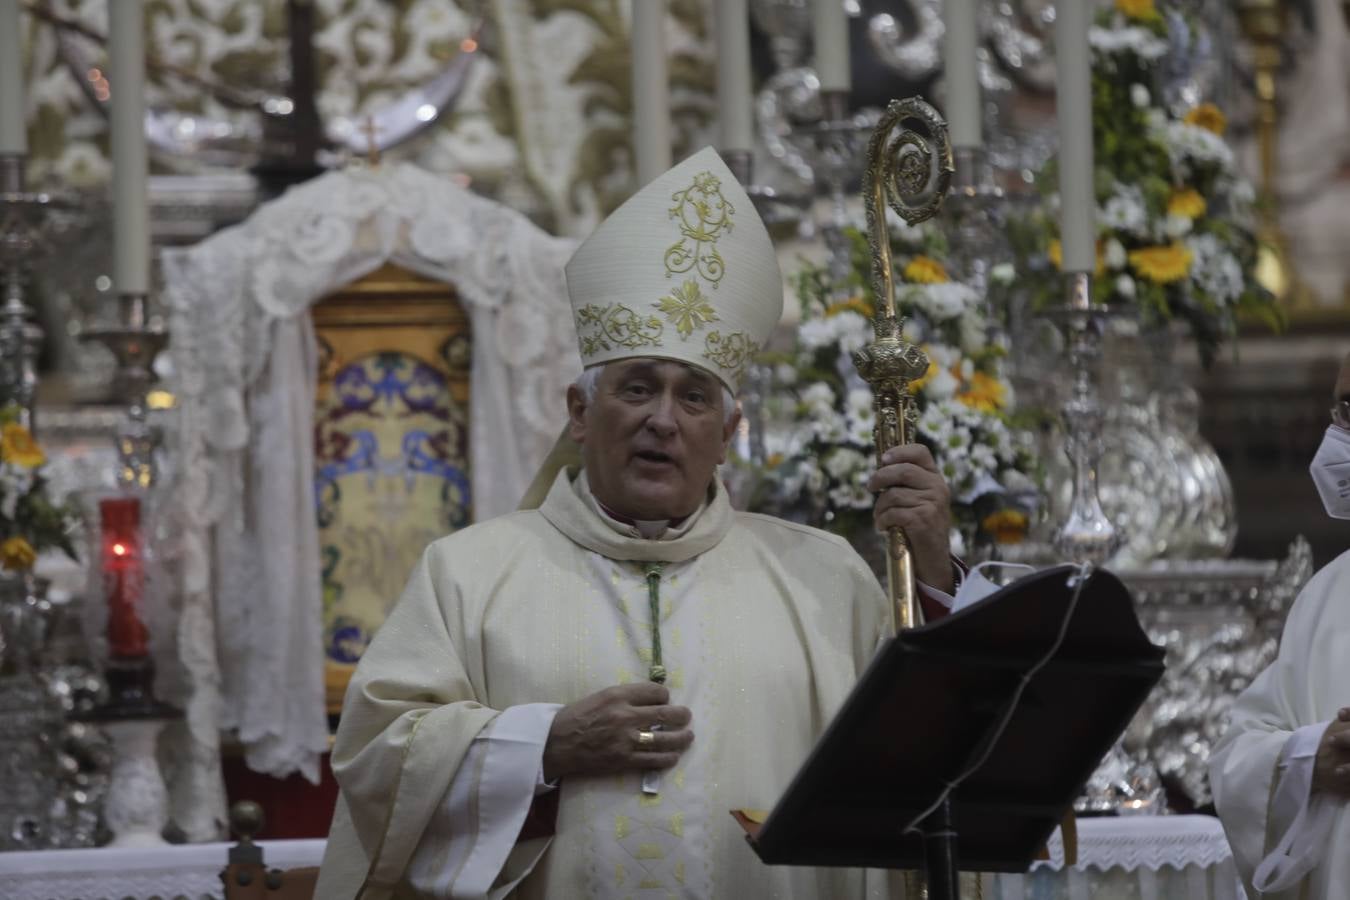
652 438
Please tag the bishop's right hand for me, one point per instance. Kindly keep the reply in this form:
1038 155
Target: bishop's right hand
611 731
1331 771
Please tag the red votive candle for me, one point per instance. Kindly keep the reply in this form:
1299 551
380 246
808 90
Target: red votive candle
120 518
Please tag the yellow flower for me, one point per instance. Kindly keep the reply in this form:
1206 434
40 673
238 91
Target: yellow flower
1187 203
18 447
1056 253
1007 526
1209 117
925 270
1162 265
774 461
17 555
985 393
852 304
1141 10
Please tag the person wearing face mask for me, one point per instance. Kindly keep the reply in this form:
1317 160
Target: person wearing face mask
1281 774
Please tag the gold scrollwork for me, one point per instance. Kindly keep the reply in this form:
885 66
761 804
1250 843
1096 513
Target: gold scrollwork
704 214
598 326
732 351
687 308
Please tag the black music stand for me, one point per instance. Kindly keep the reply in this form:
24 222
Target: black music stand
930 703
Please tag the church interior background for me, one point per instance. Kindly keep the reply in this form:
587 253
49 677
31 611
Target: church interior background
355 336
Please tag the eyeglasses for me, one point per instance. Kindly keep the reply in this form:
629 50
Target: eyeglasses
1340 414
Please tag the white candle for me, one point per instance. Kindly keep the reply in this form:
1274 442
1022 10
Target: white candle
131 213
651 93
732 27
1077 198
831 37
962 71
13 133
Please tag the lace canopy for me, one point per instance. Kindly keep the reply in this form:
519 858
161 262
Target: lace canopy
244 366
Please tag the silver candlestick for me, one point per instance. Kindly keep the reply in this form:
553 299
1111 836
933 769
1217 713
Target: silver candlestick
1087 534
973 218
836 146
134 343
26 224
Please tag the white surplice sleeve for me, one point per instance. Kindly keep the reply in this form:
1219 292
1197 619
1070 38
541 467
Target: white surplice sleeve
467 843
1302 820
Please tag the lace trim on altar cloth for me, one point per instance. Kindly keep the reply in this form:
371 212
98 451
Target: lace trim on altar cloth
238 306
1145 842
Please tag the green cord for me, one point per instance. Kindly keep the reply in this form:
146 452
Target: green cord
657 672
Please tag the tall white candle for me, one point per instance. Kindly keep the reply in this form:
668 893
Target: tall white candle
732 27
962 73
831 37
131 213
651 92
13 134
1077 199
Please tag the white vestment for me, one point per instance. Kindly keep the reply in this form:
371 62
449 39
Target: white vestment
1261 769
765 626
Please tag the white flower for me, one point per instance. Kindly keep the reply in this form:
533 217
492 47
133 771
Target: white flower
852 331
816 333
1215 269
1188 144
784 374
1131 39
1125 211
818 396
842 462
828 426
1125 287
974 336
944 301
15 482
1003 273
942 385
851 496
1177 226
1115 254
1140 96
1016 482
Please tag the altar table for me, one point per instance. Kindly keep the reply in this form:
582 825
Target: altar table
1141 858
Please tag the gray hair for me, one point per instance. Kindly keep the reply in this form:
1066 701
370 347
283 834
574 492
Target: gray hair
589 381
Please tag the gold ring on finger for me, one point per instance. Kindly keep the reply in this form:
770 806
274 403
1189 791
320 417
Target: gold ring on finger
646 738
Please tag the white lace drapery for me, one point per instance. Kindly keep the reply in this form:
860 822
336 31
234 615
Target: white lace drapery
244 372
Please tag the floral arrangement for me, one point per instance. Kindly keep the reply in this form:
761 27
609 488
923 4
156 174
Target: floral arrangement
819 464
29 521
1174 216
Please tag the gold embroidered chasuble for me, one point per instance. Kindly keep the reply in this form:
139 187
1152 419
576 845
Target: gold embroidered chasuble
765 625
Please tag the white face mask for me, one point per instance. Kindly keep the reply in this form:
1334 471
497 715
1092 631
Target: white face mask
1330 471
976 586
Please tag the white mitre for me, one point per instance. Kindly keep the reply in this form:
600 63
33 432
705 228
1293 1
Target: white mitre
684 270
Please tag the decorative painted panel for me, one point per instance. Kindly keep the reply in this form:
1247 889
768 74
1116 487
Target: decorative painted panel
391 446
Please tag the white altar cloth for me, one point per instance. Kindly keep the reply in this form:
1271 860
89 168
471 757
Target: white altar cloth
1134 858
1142 858
189 871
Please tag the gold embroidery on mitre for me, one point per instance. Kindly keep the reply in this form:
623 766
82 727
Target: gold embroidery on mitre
704 214
687 308
600 327
732 351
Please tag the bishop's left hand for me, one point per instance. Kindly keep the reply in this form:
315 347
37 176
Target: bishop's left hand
913 495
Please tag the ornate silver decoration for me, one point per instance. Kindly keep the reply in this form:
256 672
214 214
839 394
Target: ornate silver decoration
1220 621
